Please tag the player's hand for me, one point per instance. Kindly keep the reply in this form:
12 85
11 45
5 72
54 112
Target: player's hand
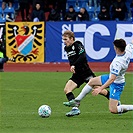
96 91
79 16
72 69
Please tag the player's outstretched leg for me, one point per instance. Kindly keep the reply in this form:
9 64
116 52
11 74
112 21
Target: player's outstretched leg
72 103
75 111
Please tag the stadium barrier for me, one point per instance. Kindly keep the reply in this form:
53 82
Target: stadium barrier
25 40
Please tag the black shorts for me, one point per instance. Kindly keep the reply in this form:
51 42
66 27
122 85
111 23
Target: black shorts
82 77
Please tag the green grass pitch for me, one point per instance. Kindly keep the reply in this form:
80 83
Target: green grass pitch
21 94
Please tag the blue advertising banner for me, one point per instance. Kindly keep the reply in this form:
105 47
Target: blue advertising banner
97 38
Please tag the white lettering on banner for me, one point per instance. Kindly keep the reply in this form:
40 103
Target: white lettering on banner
64 28
103 52
87 39
79 27
122 29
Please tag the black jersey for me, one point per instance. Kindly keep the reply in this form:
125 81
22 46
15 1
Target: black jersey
77 56
3 50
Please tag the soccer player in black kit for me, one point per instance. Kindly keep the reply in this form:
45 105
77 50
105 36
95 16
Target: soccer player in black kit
3 57
79 67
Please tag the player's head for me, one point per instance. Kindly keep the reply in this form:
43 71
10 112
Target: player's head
69 34
68 37
120 44
38 6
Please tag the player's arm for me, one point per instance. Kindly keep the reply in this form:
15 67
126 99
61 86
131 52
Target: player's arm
114 72
129 48
109 81
104 86
80 59
81 52
81 56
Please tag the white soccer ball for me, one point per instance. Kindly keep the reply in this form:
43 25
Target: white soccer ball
44 111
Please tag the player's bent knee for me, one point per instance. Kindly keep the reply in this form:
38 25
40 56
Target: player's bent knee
90 82
65 90
113 110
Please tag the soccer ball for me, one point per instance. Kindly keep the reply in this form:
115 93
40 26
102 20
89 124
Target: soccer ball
44 111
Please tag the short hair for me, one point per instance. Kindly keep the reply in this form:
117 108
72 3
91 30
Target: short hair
120 43
38 3
69 34
70 6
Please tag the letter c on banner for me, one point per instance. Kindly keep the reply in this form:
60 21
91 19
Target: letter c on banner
89 34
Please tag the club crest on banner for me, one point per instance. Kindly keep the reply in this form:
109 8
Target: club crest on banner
25 41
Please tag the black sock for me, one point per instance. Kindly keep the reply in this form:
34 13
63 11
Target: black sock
70 96
107 96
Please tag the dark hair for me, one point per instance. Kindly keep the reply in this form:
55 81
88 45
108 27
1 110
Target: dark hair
38 3
121 44
70 6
